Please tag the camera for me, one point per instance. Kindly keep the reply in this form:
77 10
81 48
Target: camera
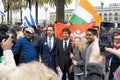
3 29
3 35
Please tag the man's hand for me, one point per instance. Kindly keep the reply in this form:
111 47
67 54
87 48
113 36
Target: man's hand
71 69
7 44
74 62
58 69
113 51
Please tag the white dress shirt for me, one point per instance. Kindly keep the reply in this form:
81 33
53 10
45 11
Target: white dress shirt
67 41
52 40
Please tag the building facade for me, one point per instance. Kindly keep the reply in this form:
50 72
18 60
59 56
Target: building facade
111 13
67 15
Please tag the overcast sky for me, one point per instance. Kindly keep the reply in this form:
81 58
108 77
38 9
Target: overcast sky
97 2
42 15
106 2
93 3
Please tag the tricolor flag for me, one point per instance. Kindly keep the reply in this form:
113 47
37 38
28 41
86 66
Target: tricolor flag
28 18
2 8
84 13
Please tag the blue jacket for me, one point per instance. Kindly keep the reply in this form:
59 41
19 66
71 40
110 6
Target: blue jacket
27 49
114 59
47 55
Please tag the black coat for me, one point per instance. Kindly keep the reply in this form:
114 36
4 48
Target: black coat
94 72
62 56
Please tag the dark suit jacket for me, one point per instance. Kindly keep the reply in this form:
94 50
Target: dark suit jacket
47 55
62 57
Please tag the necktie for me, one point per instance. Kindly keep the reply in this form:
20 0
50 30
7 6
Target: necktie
65 45
50 43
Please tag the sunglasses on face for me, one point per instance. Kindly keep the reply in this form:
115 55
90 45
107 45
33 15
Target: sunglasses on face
27 32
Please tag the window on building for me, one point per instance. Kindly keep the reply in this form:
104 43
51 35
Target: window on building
51 16
105 17
116 16
66 16
110 17
100 15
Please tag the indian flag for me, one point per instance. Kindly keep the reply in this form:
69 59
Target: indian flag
84 13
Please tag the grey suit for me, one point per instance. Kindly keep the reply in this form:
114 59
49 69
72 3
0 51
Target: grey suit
88 53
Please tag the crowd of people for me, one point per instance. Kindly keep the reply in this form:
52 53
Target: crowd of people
32 54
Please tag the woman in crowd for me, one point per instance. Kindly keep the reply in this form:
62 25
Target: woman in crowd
78 59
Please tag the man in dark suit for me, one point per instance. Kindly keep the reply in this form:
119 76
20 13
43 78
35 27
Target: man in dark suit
62 56
47 47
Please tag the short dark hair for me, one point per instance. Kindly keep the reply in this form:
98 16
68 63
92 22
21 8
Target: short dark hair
93 31
66 30
4 27
52 26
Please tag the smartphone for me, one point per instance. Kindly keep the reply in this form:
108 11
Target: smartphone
106 35
118 25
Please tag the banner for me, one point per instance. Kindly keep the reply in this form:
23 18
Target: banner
77 30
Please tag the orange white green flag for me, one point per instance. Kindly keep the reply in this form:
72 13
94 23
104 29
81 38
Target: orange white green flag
84 13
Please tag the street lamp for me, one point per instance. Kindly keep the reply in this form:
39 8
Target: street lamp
111 10
29 3
102 4
46 9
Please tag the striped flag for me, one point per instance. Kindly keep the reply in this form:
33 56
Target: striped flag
28 18
2 8
84 13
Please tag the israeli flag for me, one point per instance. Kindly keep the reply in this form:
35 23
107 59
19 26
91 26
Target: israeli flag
2 8
28 18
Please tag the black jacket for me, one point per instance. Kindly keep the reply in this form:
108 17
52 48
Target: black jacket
94 72
62 57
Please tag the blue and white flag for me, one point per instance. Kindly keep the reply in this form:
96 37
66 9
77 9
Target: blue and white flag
2 8
28 18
